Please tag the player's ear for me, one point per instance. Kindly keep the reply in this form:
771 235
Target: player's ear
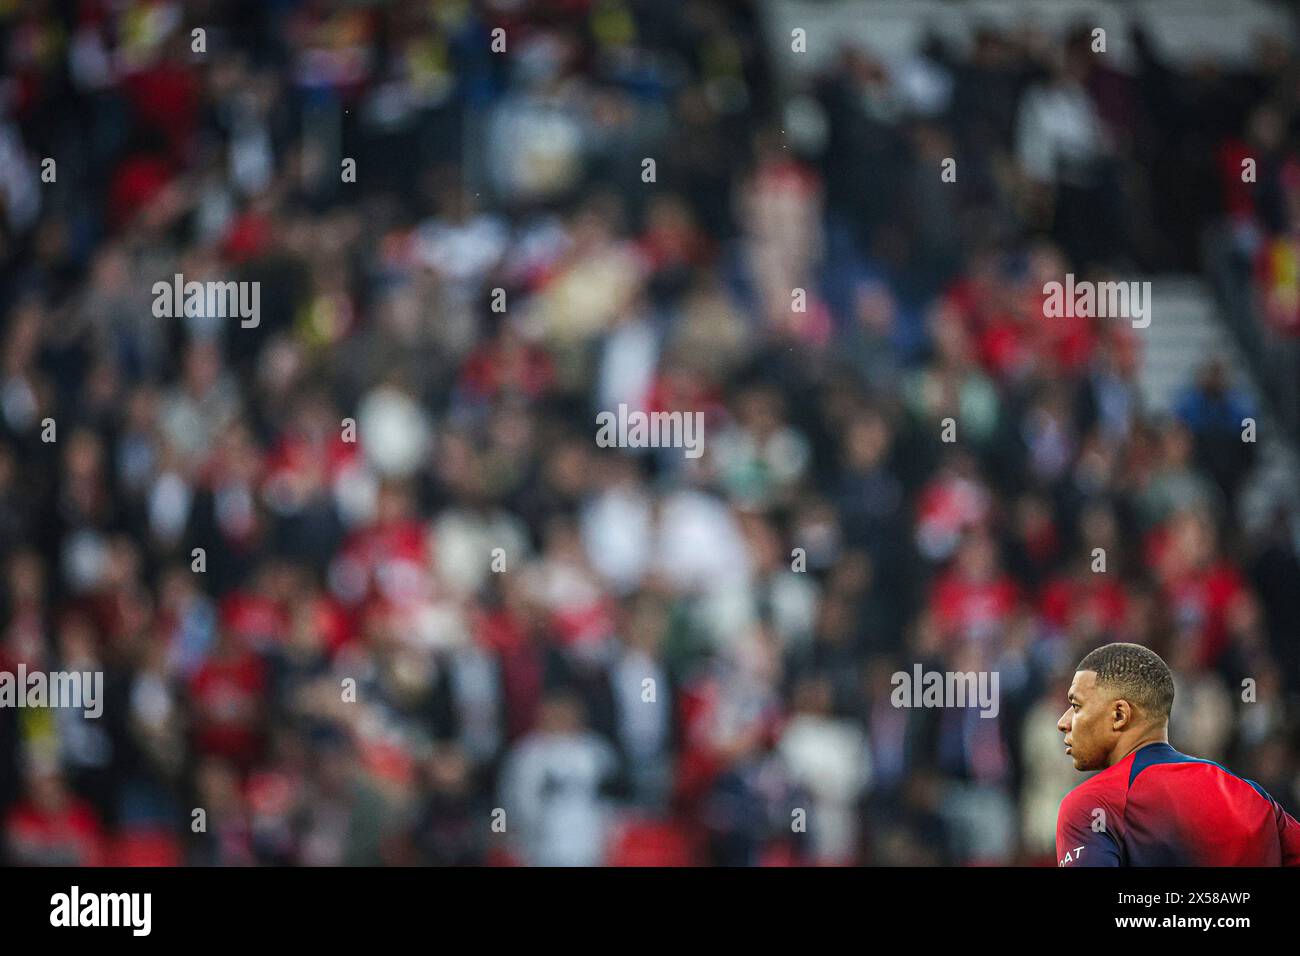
1121 714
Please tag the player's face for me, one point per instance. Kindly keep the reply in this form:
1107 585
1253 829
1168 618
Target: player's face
1086 723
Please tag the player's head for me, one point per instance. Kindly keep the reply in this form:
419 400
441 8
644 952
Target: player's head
1120 694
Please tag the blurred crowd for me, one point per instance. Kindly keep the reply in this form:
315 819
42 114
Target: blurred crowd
365 590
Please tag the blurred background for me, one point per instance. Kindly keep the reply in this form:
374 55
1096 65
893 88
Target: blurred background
827 537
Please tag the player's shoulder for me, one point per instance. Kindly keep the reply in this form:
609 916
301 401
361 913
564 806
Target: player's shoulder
1090 823
1152 763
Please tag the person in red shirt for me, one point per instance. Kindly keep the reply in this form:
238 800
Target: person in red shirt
1200 585
1151 805
976 597
226 694
51 826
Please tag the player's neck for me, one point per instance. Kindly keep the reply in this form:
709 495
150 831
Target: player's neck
1160 736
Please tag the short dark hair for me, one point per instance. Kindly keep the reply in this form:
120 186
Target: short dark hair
1137 672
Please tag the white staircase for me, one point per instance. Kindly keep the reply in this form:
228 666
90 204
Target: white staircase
1185 332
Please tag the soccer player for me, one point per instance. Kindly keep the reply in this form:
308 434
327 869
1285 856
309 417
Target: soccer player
1151 805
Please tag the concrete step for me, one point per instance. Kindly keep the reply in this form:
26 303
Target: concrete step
1184 333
